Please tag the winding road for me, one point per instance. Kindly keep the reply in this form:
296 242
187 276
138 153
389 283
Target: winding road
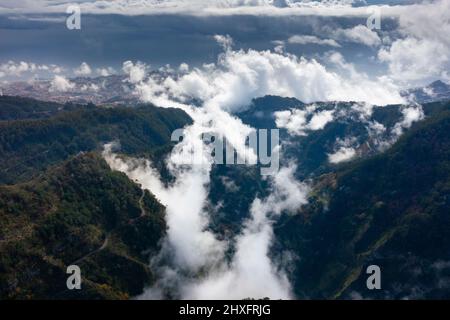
108 235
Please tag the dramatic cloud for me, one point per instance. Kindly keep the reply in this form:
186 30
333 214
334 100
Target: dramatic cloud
83 70
411 114
59 83
343 154
359 34
239 76
423 53
191 246
92 87
136 72
296 120
17 69
344 150
251 272
104 72
196 7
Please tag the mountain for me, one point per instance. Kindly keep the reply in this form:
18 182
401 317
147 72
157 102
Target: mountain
82 213
371 210
27 147
233 188
368 130
389 210
19 108
60 203
436 91
352 123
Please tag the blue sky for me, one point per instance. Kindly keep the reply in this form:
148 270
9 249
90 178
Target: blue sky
183 31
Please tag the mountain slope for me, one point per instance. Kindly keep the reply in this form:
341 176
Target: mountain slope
78 213
390 210
27 147
19 108
436 91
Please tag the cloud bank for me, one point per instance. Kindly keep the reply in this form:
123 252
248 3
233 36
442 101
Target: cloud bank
198 7
241 75
422 54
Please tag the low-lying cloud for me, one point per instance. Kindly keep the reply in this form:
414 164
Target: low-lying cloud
241 75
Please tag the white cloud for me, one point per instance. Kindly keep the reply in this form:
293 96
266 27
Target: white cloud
200 7
59 83
193 246
224 40
344 150
91 87
183 68
83 70
135 71
239 76
418 61
198 267
251 272
343 154
104 72
320 120
295 120
410 114
422 54
305 39
359 34
17 69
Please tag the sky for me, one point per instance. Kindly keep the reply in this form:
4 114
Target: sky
180 31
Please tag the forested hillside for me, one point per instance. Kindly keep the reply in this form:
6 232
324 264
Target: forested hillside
391 210
78 213
17 108
60 203
27 147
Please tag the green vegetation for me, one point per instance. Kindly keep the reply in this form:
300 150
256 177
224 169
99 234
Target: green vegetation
28 147
19 108
64 205
391 210
80 212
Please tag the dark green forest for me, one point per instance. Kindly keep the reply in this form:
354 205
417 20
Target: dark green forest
61 204
27 147
80 212
391 210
